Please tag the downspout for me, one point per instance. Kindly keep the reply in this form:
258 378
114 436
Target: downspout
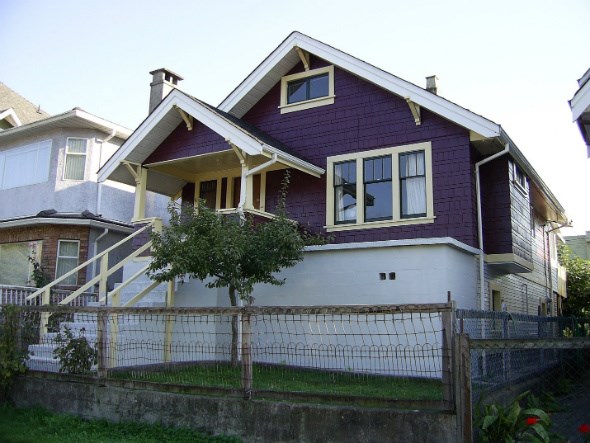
479 219
95 249
99 184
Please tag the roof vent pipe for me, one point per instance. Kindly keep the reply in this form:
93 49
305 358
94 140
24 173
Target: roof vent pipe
163 81
431 84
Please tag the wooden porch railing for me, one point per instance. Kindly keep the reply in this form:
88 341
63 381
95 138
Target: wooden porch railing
101 278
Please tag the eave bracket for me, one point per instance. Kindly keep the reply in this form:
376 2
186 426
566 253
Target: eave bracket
415 109
188 119
304 56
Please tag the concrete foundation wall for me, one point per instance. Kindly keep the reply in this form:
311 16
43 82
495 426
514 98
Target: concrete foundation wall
253 420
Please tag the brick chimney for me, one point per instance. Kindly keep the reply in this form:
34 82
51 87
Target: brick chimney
431 84
163 81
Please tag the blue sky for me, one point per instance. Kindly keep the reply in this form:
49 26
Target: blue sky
514 62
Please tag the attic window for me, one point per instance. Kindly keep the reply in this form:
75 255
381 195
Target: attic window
307 89
520 178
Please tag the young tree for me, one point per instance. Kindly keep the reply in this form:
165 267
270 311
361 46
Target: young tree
230 251
577 302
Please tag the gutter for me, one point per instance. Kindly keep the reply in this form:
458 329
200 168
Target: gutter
506 150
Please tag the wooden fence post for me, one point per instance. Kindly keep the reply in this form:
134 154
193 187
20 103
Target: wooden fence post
246 356
101 342
462 384
448 331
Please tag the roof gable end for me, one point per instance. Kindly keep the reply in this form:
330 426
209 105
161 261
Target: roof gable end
283 58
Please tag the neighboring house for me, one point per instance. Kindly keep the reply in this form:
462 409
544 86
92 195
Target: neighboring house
412 189
580 105
51 206
579 244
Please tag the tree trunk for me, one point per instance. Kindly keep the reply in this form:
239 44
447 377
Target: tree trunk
234 328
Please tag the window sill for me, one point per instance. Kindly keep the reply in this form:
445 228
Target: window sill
308 104
380 224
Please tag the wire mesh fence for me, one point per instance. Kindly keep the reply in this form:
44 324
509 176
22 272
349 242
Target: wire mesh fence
376 353
549 356
508 348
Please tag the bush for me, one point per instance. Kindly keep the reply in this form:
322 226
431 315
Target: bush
12 356
75 354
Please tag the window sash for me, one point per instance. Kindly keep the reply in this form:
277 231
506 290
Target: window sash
25 165
67 259
412 184
345 204
308 88
378 188
75 161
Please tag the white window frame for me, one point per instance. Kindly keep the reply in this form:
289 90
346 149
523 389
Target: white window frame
79 154
396 219
286 107
58 257
519 178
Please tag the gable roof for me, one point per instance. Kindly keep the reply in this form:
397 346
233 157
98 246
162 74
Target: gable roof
488 135
166 117
283 59
26 112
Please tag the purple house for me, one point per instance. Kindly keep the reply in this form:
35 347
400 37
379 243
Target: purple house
419 195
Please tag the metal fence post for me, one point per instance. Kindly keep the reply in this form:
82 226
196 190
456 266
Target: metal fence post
246 356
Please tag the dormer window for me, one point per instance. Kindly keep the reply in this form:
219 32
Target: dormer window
307 89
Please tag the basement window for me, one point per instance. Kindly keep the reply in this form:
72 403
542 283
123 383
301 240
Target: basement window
307 90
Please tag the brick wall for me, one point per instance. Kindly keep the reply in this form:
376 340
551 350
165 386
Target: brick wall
50 235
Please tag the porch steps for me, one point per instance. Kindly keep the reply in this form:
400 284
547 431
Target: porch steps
41 356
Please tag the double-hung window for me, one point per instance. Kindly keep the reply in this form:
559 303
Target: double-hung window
67 259
382 187
75 162
412 176
308 89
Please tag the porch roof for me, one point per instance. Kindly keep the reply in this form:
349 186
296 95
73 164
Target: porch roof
167 116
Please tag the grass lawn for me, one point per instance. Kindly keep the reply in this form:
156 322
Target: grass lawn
289 379
37 425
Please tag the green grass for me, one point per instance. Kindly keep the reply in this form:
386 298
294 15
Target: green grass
37 425
288 379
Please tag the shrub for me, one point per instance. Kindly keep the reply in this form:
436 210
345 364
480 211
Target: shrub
75 354
12 356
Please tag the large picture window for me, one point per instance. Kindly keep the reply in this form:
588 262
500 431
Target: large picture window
75 163
26 165
15 266
395 185
67 259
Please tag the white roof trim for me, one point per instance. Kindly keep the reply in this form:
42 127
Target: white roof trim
435 241
396 85
581 101
222 126
11 116
105 125
34 221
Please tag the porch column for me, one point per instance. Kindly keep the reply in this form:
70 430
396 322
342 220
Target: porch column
140 189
